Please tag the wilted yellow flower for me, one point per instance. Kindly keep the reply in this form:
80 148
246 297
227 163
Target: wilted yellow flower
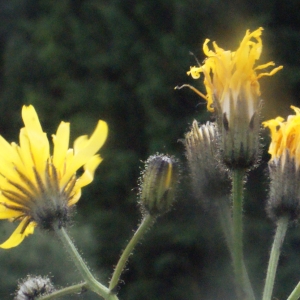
284 191
228 75
233 93
285 137
38 189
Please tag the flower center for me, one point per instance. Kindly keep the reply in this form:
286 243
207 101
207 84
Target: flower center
42 201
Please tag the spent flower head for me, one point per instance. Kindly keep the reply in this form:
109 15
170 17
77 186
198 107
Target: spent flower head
284 166
233 93
33 287
158 184
37 188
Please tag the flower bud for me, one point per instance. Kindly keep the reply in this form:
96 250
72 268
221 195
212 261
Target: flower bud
158 184
210 180
34 287
284 193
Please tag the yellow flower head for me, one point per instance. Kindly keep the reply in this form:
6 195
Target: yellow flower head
285 137
38 189
229 75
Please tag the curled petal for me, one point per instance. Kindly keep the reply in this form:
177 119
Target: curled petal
84 149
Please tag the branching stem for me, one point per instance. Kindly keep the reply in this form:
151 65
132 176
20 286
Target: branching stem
91 283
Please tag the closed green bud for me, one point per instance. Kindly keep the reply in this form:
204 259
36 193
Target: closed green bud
158 184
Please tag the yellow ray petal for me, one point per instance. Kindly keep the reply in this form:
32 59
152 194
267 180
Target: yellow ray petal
61 144
89 170
17 237
8 152
6 213
85 149
86 178
75 197
39 144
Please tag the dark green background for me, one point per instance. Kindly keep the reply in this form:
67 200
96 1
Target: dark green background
119 61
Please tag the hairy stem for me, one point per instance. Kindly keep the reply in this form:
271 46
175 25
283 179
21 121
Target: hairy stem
237 221
226 225
282 225
91 283
145 224
77 288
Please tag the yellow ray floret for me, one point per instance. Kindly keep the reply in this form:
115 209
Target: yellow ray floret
37 187
231 72
285 137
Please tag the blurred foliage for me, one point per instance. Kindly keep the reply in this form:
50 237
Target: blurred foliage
119 61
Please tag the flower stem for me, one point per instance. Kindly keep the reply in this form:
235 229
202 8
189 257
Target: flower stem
237 221
91 282
295 295
226 225
77 288
282 225
145 224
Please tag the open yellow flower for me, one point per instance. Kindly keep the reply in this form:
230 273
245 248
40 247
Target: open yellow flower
38 189
228 75
285 137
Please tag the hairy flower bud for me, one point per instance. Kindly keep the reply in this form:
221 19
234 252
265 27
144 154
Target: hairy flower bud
284 193
158 184
210 180
34 287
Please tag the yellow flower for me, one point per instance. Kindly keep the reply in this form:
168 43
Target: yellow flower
285 137
233 93
38 189
284 190
230 75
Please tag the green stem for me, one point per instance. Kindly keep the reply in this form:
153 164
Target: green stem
77 288
282 225
226 222
145 224
295 295
237 219
226 225
91 282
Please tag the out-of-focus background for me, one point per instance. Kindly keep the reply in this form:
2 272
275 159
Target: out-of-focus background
119 61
